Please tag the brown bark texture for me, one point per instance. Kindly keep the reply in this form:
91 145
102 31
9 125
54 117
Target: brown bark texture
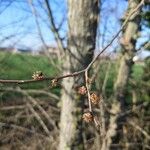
82 28
128 47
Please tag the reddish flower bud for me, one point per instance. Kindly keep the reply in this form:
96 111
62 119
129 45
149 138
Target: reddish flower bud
94 98
88 117
82 90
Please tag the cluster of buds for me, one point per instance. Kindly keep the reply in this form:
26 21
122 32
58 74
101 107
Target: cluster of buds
38 75
54 82
87 117
94 98
82 90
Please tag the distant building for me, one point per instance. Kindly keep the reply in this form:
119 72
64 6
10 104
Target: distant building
52 51
15 50
26 51
8 49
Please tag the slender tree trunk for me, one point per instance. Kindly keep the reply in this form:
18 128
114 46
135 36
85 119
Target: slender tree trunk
128 42
82 24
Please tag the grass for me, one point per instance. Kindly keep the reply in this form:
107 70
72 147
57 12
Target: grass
137 72
22 66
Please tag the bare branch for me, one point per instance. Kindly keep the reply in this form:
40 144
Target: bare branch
39 119
88 92
53 28
140 129
23 129
34 12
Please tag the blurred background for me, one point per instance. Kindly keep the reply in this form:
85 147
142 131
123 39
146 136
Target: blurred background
55 37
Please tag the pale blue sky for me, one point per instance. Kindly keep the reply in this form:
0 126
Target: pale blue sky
17 23
17 18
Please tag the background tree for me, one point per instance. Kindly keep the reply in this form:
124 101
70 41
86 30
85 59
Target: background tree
82 25
128 49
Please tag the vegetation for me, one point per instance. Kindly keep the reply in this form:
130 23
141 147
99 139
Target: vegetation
22 66
81 99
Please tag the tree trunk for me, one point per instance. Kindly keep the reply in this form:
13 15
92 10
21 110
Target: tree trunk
82 25
128 42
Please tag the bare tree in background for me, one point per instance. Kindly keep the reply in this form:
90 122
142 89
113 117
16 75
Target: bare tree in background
128 43
83 20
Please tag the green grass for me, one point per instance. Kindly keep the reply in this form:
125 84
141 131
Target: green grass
22 66
137 72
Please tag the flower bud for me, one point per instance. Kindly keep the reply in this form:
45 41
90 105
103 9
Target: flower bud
94 98
82 90
54 82
88 117
38 75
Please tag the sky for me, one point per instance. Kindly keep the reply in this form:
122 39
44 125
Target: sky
17 20
19 29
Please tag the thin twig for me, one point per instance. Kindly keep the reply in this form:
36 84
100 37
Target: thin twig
87 88
21 128
140 129
39 120
53 28
52 95
34 12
